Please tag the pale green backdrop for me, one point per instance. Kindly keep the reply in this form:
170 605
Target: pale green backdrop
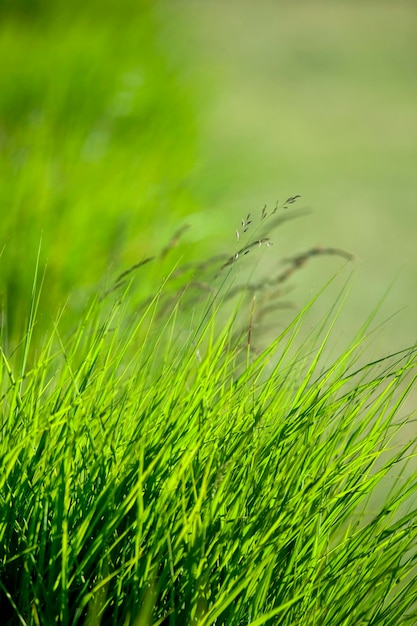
119 122
318 99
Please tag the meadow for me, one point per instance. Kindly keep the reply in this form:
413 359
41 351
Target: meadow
181 441
318 99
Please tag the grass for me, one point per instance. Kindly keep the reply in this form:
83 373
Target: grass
159 470
95 146
317 97
172 451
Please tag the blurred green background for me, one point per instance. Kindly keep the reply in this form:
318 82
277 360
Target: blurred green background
320 99
120 121
97 139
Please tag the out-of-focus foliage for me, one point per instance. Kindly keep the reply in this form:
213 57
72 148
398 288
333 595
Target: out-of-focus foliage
96 142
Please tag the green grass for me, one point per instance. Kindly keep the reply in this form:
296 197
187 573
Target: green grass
172 451
157 470
96 143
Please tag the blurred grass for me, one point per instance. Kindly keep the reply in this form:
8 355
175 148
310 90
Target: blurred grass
118 121
96 139
319 99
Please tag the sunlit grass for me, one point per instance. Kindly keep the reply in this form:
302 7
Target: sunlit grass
171 451
156 470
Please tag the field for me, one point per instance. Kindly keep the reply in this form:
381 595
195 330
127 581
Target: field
318 99
202 419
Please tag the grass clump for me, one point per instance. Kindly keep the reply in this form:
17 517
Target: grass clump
157 470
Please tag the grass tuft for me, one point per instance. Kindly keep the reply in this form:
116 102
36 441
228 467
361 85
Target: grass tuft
158 470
